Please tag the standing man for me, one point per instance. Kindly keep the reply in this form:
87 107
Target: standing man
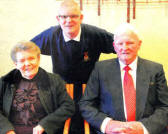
74 49
126 95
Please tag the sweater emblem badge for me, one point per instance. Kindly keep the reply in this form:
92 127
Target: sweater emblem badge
86 56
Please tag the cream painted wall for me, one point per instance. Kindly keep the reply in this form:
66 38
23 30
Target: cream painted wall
23 19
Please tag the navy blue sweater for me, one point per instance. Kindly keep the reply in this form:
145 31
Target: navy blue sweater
74 61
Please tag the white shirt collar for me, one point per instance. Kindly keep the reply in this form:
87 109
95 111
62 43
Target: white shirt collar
133 65
77 38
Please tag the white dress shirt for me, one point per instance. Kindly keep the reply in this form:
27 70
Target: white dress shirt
132 72
77 38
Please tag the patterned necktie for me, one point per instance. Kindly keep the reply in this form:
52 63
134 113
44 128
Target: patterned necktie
130 95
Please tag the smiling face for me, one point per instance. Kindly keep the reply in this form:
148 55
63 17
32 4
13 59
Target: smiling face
28 63
70 19
126 46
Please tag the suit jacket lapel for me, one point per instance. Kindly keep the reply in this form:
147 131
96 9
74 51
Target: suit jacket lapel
117 93
142 86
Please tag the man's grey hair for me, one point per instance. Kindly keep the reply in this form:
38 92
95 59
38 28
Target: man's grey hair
125 28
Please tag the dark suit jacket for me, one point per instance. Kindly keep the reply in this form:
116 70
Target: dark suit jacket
103 95
53 97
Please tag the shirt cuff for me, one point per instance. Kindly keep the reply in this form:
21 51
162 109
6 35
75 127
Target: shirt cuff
144 129
104 124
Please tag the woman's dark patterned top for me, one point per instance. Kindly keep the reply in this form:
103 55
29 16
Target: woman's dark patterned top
27 109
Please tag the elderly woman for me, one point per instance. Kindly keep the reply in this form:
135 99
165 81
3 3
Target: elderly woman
32 101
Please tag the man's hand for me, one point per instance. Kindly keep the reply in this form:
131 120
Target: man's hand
11 132
118 127
115 127
38 129
134 127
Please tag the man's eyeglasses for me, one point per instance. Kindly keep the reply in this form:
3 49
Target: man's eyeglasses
66 16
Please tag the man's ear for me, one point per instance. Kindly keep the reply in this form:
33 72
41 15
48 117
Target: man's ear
38 56
57 17
114 46
140 42
81 17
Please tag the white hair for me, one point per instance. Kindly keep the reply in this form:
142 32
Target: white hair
125 28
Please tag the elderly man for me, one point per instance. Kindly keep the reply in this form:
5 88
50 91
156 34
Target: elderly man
74 48
32 101
126 95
